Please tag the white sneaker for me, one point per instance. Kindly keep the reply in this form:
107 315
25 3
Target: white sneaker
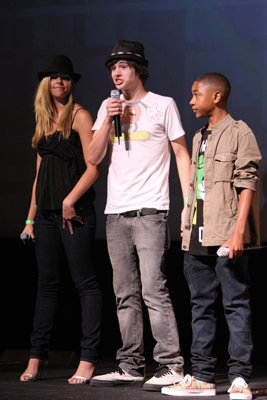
239 390
118 377
165 376
190 386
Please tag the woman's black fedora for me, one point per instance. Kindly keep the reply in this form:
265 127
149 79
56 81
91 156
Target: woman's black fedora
58 63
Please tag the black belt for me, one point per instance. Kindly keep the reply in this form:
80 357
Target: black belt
142 212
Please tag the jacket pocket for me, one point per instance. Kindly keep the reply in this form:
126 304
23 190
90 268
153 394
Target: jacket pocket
224 164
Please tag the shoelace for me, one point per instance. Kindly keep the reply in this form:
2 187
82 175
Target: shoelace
238 382
118 371
163 371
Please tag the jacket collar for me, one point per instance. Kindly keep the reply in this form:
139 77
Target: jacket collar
220 126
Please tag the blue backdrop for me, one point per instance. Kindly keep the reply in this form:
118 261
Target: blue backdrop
182 39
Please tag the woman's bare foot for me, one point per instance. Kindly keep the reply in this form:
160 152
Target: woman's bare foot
32 370
83 373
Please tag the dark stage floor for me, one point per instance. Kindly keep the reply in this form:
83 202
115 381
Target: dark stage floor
19 288
53 384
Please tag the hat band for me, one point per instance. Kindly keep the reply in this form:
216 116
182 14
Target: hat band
126 52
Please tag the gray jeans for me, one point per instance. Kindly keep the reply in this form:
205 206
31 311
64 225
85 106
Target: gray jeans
137 248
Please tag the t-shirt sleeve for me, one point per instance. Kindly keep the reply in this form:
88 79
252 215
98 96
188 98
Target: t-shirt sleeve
173 123
100 116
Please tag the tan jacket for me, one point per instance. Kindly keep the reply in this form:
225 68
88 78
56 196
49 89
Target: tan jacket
231 160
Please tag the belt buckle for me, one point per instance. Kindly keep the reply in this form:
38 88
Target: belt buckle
148 211
130 214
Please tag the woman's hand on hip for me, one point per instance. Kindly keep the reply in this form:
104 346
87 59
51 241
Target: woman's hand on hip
69 215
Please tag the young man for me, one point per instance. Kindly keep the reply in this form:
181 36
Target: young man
137 210
222 212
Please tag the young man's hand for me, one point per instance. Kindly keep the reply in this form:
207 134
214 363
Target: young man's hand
235 243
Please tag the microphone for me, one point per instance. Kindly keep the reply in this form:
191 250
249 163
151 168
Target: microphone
115 94
26 237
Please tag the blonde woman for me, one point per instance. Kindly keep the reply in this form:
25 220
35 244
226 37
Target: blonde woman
61 217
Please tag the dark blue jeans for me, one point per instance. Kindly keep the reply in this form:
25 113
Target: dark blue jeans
52 245
204 275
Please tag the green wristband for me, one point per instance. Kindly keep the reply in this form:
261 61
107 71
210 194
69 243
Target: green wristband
29 221
185 199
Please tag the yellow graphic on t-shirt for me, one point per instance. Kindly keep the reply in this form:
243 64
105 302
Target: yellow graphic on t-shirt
129 125
139 136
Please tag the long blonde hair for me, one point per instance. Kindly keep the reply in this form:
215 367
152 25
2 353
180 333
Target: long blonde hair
44 109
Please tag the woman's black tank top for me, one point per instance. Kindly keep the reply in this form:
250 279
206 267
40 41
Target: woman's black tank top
61 167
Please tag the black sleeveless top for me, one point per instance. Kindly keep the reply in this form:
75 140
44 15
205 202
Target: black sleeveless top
61 167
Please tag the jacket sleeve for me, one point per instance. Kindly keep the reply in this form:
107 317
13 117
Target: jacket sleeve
246 172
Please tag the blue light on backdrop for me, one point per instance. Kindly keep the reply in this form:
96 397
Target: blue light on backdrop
182 38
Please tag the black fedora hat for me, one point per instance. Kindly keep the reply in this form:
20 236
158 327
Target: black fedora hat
127 50
58 63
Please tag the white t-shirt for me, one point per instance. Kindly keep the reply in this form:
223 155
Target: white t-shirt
138 174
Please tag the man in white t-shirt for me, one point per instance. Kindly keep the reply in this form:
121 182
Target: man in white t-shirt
137 211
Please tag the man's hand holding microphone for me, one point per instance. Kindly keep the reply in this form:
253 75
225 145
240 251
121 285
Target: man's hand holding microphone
114 110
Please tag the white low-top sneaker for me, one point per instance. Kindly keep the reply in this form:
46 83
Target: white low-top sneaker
239 390
190 386
165 376
118 377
